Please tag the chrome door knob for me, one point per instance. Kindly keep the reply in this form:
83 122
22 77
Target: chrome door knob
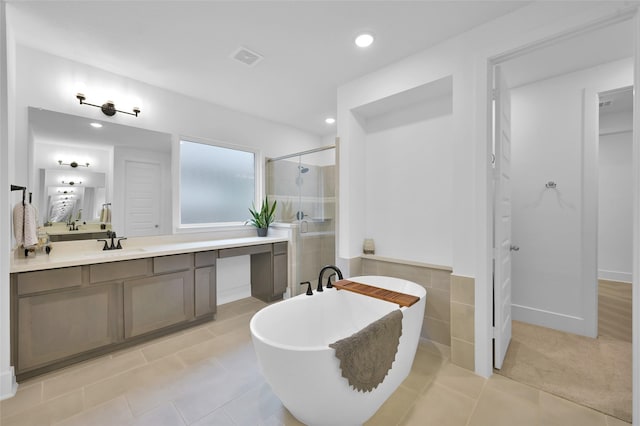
514 248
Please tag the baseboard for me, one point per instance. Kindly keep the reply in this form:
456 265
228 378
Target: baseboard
625 277
555 320
8 385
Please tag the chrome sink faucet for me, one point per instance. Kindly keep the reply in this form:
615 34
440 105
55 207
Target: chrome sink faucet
320 276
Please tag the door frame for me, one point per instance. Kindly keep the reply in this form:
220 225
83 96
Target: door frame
485 224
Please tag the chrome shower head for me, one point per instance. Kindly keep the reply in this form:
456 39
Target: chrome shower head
303 169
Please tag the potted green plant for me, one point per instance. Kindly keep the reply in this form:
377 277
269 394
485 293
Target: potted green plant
262 218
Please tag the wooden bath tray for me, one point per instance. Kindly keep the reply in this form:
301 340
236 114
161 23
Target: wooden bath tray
401 299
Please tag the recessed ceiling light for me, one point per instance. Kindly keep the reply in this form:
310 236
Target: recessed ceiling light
329 120
96 125
364 40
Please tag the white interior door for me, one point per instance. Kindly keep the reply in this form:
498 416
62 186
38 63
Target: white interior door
142 198
502 225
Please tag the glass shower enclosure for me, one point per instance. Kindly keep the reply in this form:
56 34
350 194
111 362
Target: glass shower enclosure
304 185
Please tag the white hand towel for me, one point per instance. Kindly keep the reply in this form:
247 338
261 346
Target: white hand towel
25 225
30 225
105 215
18 223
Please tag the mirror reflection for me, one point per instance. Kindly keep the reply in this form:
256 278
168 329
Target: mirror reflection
91 175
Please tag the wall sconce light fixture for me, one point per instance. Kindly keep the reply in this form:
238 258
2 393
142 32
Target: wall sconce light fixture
71 183
108 108
73 164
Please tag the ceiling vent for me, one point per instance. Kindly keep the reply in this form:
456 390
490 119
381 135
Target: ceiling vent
247 56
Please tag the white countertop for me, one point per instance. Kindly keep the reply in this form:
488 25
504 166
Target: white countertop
84 252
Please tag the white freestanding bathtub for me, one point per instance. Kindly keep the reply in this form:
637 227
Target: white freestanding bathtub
291 341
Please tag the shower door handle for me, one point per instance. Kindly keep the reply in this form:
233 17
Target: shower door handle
514 248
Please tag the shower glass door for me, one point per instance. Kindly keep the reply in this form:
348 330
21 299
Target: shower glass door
304 187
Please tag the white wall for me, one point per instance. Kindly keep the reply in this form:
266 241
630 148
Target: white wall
548 283
615 195
409 195
8 385
459 57
466 58
51 82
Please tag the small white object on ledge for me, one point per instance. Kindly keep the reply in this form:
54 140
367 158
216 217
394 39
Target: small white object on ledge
368 247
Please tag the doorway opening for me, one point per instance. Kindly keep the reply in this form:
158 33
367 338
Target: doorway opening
615 214
546 260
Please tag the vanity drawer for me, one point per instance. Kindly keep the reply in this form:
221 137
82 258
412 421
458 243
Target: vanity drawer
280 248
206 258
113 271
50 279
176 262
243 251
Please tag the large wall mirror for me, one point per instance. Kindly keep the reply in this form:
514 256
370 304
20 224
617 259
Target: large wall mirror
91 175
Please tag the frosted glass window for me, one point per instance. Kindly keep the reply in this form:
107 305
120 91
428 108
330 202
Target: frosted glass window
217 184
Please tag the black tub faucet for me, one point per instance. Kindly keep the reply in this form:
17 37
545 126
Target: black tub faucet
309 291
329 285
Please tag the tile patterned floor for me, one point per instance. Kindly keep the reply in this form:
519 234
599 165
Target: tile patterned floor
208 376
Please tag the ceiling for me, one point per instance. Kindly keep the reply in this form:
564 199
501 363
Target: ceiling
186 46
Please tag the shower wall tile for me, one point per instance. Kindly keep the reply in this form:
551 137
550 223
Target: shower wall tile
437 331
419 275
355 266
462 289
437 306
463 321
440 279
436 324
463 354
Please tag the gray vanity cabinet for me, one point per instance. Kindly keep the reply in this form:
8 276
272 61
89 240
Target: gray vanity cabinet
157 302
61 324
269 272
64 315
280 273
205 283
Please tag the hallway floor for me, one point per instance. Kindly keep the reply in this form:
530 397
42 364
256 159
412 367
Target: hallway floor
208 375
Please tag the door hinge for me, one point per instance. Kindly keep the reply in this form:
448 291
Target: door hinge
494 332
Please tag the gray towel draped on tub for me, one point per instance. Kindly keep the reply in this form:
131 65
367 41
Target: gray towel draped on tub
366 356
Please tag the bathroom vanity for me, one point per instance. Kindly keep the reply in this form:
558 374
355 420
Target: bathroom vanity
68 308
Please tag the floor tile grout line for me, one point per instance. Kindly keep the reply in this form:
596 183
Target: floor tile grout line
91 383
182 418
71 371
457 391
476 402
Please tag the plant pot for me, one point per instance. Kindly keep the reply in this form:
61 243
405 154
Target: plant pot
262 232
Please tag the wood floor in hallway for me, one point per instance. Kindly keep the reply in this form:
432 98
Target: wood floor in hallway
614 310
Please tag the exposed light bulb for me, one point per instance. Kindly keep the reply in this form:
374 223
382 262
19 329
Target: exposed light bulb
329 120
